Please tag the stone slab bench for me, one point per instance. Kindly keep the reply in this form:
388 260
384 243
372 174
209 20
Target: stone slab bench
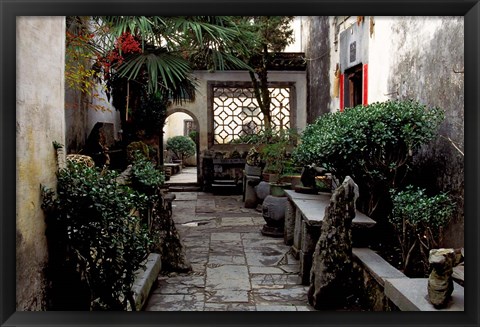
410 294
303 220
174 167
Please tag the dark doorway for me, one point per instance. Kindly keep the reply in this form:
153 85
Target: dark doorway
354 86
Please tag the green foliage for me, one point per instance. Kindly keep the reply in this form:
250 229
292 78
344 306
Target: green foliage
268 136
187 42
193 135
264 35
151 114
182 146
57 145
145 177
92 222
274 156
418 220
135 147
275 152
373 144
270 148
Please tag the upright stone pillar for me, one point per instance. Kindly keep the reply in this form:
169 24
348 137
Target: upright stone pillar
330 276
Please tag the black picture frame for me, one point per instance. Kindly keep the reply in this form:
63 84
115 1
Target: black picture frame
11 9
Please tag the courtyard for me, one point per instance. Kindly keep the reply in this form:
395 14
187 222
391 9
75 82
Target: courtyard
173 138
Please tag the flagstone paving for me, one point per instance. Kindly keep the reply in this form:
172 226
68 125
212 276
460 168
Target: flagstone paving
235 267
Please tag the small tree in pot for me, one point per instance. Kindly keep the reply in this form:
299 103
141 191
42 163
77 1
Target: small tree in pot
181 146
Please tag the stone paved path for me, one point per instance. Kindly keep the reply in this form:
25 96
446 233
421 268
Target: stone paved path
235 267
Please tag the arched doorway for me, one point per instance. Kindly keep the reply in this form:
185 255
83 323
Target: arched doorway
180 121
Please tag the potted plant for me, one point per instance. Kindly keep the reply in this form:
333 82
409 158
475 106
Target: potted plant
253 163
181 146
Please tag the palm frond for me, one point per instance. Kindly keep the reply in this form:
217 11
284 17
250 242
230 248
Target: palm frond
165 69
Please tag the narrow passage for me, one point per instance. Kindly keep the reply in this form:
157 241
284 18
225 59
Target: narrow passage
235 267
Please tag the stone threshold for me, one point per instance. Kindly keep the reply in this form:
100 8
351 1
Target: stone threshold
407 294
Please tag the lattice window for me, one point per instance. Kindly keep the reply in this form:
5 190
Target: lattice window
236 112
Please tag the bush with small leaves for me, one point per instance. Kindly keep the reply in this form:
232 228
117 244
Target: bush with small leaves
418 220
373 144
182 146
145 177
92 223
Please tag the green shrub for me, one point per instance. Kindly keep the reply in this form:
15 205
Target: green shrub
145 177
182 146
268 137
373 144
418 220
92 223
193 135
138 146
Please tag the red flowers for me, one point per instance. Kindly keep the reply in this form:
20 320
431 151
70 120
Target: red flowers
124 45
128 44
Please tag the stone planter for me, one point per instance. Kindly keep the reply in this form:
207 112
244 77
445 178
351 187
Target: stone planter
273 210
278 189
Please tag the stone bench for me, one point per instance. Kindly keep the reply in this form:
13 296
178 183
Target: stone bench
175 168
303 220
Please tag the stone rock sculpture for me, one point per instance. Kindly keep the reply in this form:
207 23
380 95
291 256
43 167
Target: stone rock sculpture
332 260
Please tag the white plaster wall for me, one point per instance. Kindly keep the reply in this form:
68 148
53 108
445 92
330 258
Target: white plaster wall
174 125
198 108
40 120
296 46
380 58
386 50
102 110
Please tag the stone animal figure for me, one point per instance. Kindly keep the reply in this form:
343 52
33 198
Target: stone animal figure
440 281
309 173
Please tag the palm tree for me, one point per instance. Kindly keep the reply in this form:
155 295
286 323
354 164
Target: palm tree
152 57
172 46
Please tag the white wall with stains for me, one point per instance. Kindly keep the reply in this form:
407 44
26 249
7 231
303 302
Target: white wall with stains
40 120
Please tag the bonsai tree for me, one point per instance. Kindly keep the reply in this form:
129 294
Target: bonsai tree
181 146
418 220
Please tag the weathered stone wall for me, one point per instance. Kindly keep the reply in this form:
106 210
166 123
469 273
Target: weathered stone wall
40 120
428 66
317 54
